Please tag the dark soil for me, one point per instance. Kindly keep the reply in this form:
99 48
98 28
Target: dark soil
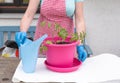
63 42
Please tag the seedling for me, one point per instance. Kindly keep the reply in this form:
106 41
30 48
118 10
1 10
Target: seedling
62 33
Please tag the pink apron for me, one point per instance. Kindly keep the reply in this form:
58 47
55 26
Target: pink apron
53 11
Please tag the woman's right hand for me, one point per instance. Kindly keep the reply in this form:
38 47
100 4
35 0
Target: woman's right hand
20 38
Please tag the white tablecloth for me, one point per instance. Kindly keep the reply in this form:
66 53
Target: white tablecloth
102 67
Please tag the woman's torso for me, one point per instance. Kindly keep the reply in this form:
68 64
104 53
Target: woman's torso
55 11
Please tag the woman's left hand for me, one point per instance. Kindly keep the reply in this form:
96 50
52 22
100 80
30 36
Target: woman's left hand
82 54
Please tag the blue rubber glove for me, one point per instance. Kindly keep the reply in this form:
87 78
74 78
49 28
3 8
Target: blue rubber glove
20 38
82 54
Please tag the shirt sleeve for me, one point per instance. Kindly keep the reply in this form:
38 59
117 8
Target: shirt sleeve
79 0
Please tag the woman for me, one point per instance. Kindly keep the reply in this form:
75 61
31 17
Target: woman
60 11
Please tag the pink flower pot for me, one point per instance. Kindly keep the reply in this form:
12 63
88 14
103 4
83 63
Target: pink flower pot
61 55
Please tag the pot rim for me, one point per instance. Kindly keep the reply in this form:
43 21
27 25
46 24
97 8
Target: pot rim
61 45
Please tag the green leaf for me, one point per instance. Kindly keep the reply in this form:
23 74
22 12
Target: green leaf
42 24
43 48
48 42
75 37
49 25
57 26
82 36
63 33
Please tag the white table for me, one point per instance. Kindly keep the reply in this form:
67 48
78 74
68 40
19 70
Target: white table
100 68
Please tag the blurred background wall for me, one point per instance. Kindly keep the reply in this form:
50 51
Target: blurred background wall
103 25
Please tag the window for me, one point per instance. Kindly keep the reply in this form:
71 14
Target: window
13 6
